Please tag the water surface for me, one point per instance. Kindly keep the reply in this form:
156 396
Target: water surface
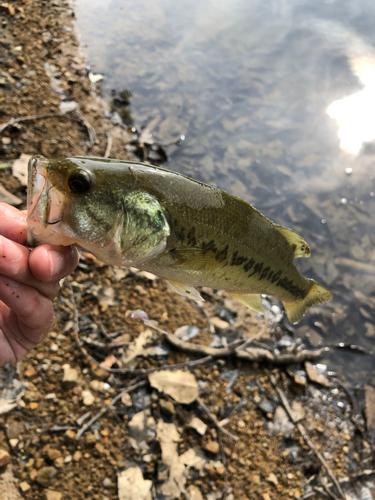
277 103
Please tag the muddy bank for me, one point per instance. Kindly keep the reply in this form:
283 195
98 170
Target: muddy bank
234 438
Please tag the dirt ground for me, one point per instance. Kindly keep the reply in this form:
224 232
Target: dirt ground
256 452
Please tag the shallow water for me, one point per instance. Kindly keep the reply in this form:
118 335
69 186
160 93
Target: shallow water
277 103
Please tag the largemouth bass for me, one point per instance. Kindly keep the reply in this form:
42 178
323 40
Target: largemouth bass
188 233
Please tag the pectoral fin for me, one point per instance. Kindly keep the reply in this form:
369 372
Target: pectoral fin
185 290
252 300
317 295
301 248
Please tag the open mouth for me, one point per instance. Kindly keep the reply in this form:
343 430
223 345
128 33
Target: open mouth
44 202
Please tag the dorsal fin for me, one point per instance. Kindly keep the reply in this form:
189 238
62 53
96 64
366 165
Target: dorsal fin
301 248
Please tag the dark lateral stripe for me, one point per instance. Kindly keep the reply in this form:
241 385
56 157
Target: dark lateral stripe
266 273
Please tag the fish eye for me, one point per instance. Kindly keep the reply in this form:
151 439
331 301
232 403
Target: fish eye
79 182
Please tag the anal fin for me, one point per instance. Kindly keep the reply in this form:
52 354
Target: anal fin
185 290
252 300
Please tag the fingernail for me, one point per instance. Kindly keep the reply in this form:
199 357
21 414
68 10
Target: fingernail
9 250
57 262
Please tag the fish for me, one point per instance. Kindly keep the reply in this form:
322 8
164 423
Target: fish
190 234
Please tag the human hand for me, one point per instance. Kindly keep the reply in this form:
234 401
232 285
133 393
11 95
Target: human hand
29 281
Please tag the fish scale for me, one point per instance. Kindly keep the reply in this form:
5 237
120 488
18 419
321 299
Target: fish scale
186 232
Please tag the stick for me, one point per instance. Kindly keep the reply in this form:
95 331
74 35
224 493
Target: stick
215 421
305 436
109 407
80 119
109 146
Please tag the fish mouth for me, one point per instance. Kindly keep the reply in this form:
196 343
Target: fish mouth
44 202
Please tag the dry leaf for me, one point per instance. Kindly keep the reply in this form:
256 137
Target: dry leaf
139 427
315 376
128 359
109 361
132 486
194 458
19 169
173 475
198 425
179 384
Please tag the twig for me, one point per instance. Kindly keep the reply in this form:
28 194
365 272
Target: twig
81 119
249 354
305 436
102 345
109 146
215 421
111 406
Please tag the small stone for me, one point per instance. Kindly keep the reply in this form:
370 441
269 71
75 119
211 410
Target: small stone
241 424
33 474
70 376
197 424
68 459
30 371
77 456
167 407
212 447
15 429
255 478
58 462
266 496
345 449
90 439
273 479
53 495
54 347
53 453
127 400
220 469
24 486
219 323
194 493
4 458
13 442
33 406
46 476
107 483
88 398
70 435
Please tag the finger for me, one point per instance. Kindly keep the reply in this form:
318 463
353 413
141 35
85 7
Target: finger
49 262
34 311
14 263
13 223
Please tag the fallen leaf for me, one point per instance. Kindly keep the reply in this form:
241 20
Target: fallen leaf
128 359
139 430
173 474
187 332
194 458
20 168
315 376
109 361
179 384
132 486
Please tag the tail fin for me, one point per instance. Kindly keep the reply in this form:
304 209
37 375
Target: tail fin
317 295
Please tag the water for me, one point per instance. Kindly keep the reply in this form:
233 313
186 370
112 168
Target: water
277 103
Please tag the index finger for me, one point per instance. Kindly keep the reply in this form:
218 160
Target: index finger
13 223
